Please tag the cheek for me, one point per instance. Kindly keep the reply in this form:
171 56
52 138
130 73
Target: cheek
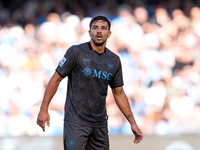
91 34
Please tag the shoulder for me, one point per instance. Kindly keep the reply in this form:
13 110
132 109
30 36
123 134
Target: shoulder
112 54
80 46
77 48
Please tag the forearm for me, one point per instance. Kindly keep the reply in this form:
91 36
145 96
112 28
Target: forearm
123 104
50 91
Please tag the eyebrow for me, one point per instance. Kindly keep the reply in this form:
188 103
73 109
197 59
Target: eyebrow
101 26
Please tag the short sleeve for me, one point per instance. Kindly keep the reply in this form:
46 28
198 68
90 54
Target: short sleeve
67 63
117 79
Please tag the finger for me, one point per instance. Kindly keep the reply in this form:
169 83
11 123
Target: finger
39 123
136 141
43 126
48 121
138 138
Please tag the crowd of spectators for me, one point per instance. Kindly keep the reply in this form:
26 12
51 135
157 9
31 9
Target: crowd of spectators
158 43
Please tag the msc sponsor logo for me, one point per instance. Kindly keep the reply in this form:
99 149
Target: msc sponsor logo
87 71
102 74
97 74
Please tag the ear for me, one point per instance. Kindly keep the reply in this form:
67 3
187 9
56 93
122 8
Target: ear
109 34
89 33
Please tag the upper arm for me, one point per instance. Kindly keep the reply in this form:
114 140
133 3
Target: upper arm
68 62
56 77
117 90
117 78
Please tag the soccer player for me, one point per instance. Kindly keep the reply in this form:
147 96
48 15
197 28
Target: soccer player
90 68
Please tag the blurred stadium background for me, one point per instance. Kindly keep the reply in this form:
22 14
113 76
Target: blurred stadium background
158 42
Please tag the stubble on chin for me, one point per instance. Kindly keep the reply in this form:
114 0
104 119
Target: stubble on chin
98 43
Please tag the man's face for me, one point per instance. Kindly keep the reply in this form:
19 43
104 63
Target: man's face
99 32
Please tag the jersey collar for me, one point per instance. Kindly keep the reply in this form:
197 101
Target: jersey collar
90 47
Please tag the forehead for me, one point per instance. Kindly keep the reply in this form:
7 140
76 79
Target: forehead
100 23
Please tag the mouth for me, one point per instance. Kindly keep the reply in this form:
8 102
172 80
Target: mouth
99 37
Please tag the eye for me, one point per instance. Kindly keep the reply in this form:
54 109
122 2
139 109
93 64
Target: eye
104 28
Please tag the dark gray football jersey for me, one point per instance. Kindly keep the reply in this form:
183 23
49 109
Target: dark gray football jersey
89 75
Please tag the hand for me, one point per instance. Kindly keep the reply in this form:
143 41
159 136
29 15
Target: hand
137 132
42 118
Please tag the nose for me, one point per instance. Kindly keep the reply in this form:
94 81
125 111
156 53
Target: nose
99 30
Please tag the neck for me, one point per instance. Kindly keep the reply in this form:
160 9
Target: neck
98 49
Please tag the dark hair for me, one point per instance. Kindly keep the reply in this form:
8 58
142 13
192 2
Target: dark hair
103 18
